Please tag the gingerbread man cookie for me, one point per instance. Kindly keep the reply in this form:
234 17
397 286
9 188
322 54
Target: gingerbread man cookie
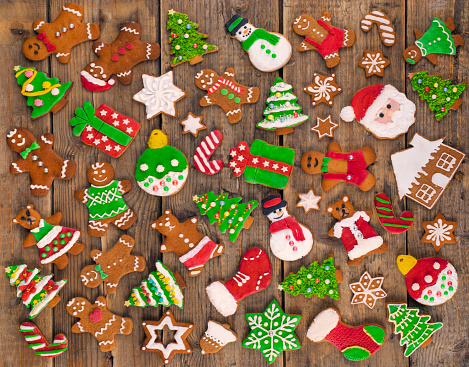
225 92
39 160
61 35
112 265
96 319
118 58
104 200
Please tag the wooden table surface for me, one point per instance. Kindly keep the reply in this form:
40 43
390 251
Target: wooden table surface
450 345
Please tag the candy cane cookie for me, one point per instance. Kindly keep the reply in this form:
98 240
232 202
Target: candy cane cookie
384 24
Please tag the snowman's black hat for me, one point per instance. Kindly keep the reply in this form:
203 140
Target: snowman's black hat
272 203
235 23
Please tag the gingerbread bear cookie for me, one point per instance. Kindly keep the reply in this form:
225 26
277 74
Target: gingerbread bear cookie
192 247
112 265
39 160
118 58
52 240
225 92
104 200
321 36
96 319
61 35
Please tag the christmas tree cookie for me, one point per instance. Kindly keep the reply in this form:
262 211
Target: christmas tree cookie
44 94
162 169
282 113
187 44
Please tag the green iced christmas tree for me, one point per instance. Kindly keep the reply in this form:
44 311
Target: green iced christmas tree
186 43
319 280
227 213
282 113
414 328
441 95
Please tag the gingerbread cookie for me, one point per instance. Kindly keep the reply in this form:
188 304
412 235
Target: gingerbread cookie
309 201
216 337
96 319
384 24
439 231
367 290
112 265
325 127
323 89
374 63
104 200
386 216
118 58
37 342
192 124
205 150
60 35
192 247
225 92
322 36
39 160
52 240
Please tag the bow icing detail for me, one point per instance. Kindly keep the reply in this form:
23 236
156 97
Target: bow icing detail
241 157
25 152
42 36
100 271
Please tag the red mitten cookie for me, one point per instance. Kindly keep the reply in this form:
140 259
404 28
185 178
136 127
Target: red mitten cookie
39 344
387 218
205 150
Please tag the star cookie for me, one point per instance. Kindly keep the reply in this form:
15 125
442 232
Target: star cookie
309 201
323 89
159 95
439 231
367 290
325 127
192 124
373 63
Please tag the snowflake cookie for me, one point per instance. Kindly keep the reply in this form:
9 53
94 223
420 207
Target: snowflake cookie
373 63
323 89
438 232
368 290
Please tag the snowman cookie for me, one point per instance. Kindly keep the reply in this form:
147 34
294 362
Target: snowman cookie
162 169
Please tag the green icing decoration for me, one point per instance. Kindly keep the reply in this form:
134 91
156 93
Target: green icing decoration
105 201
159 162
356 353
437 40
376 333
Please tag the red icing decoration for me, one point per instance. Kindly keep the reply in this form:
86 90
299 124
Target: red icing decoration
129 45
343 337
36 343
427 89
114 57
288 223
95 316
450 284
201 156
333 41
121 50
392 225
174 35
356 167
417 274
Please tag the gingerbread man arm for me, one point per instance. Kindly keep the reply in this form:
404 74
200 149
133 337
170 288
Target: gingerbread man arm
64 55
124 186
18 166
306 46
46 141
326 17
229 74
329 184
100 48
369 213
125 77
101 303
124 245
39 26
334 147
30 240
191 223
82 195
96 255
54 219
78 328
206 100
331 232
418 34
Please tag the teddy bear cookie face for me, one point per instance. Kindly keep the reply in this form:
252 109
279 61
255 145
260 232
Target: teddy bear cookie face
341 209
78 307
165 224
28 218
100 174
311 162
206 79
19 139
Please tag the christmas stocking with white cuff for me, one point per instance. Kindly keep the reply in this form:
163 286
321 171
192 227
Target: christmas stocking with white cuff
253 276
355 342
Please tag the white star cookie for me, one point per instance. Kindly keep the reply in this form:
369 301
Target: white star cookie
192 124
309 201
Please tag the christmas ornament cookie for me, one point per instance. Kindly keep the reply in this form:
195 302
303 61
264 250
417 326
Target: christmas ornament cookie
61 35
192 124
374 63
324 127
382 110
337 166
52 240
323 89
97 320
118 58
309 201
37 342
225 92
386 216
104 128
187 44
161 170
355 342
104 200
216 337
180 344
436 40
268 51
112 265
322 36
423 171
272 332
159 95
289 240
262 163
43 94
368 290
39 160
431 281
192 247
36 291
353 229
229 214
254 275
384 24
441 95
438 232
205 150
414 329
318 280
163 287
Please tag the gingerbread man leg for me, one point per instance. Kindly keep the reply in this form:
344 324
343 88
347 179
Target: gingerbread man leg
125 220
329 184
332 59
369 154
368 183
233 111
98 228
349 37
77 248
62 261
40 185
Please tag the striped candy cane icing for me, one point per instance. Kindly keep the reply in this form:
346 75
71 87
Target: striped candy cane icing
384 24
387 218
205 150
39 344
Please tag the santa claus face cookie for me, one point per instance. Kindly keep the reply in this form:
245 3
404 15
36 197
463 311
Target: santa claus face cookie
100 175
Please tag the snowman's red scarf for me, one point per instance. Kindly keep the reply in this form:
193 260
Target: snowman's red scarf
288 223
228 83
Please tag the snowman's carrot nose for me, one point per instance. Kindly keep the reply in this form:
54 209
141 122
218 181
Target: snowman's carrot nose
246 31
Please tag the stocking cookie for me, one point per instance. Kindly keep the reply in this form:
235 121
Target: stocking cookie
118 58
112 265
39 344
205 150
61 35
384 24
439 231
39 160
386 216
323 89
216 337
96 319
104 200
225 92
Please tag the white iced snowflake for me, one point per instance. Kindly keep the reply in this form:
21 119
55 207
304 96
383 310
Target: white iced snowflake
439 232
374 63
322 89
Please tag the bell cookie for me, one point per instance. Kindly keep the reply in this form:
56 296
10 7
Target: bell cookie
439 231
37 342
205 150
367 290
388 219
386 30
216 337
192 124
374 63
323 89
325 127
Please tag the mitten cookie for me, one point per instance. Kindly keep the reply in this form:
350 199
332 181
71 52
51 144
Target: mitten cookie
384 24
205 150
39 344
112 265
39 160
216 337
61 35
